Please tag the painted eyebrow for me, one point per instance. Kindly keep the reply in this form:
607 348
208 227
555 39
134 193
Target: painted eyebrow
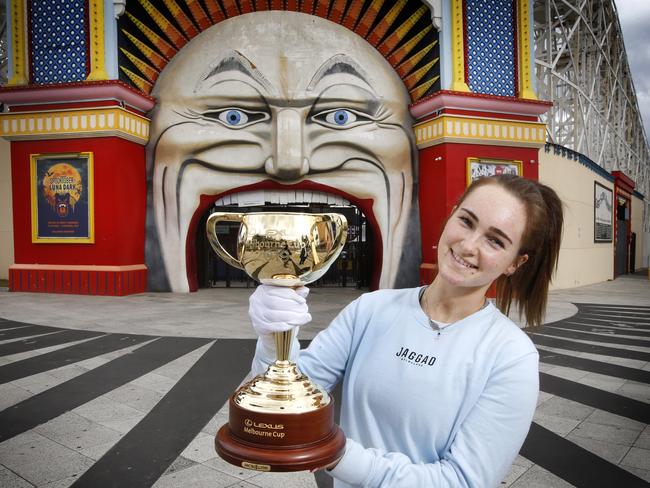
236 61
339 63
496 230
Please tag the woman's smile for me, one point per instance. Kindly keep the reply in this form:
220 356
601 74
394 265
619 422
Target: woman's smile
460 261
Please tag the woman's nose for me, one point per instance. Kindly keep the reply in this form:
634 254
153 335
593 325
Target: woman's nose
288 161
469 244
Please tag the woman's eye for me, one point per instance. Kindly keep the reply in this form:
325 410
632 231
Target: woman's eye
236 118
233 117
497 242
465 221
340 118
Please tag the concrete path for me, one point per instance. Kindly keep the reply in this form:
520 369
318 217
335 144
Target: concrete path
129 391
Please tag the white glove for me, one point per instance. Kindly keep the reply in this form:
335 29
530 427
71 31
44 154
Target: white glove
278 308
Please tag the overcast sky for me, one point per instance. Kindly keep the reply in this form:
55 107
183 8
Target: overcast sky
634 16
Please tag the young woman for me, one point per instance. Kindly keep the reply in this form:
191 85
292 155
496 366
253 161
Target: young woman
439 386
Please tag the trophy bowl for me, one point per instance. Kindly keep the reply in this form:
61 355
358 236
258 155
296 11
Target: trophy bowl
281 420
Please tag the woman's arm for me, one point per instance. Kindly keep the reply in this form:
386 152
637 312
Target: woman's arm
482 451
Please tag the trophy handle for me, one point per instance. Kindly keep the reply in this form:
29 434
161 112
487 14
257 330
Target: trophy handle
214 239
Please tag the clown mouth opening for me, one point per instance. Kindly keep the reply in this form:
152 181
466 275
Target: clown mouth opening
358 265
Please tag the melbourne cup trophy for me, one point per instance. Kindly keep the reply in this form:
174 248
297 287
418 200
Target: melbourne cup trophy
280 420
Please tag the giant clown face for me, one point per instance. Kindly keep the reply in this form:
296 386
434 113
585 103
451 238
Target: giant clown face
286 101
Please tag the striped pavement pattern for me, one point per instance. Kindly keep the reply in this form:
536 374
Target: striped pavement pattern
88 409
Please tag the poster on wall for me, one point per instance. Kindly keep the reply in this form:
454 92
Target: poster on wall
478 168
603 228
62 198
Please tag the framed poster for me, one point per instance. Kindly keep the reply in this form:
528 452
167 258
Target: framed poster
62 198
479 167
603 212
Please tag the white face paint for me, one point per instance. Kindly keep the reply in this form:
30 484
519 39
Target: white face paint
285 97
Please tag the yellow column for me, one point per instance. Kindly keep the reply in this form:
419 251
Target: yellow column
458 47
96 31
20 75
523 42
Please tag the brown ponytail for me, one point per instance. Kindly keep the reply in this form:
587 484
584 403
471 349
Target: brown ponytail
541 241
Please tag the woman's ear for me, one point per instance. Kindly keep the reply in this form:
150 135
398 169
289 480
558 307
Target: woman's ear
521 259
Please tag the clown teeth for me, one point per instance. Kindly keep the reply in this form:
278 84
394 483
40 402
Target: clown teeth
282 197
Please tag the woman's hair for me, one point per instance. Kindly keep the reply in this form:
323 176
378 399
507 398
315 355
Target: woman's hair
540 240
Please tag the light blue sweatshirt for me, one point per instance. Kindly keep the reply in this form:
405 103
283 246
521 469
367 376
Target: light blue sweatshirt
422 407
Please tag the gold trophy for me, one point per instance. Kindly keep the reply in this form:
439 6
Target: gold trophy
280 420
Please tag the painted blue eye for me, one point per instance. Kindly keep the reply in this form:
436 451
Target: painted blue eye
341 117
233 117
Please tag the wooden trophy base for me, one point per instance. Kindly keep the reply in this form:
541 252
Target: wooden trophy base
280 441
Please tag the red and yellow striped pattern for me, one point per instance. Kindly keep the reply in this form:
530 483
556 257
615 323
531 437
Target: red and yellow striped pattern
399 34
246 6
158 42
172 33
421 90
214 11
199 15
364 25
398 56
337 11
183 22
352 15
407 66
232 8
386 23
138 81
156 59
150 73
322 7
412 80
307 6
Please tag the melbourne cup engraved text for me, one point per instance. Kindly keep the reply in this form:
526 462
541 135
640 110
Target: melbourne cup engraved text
264 245
269 430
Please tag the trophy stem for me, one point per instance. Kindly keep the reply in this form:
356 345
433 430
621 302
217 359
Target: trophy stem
283 344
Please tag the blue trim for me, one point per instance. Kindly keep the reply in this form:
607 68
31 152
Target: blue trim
581 158
638 195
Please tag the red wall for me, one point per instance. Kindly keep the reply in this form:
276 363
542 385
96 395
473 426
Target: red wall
442 182
119 200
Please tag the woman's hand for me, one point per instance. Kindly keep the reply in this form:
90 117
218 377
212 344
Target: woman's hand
278 308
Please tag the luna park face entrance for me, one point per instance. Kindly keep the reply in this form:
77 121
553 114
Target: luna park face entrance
353 268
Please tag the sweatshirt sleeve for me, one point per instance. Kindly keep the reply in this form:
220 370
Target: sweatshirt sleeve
326 358
482 451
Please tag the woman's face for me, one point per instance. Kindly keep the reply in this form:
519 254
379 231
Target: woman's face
481 239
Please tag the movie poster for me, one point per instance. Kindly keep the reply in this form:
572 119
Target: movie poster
62 198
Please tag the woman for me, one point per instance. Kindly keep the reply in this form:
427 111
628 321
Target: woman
439 386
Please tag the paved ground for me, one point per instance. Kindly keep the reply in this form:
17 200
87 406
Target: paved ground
128 392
